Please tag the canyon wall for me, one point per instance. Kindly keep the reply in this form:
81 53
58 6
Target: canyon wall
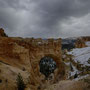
2 33
26 53
86 38
80 42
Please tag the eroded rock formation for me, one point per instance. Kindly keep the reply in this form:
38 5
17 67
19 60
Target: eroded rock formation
2 33
86 38
80 42
27 52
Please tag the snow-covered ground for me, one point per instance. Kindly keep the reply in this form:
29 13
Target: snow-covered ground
72 73
81 55
81 77
88 43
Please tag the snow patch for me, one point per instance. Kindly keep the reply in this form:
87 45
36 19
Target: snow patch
81 77
88 43
82 55
72 73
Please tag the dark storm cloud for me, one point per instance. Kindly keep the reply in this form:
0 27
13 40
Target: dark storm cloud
45 18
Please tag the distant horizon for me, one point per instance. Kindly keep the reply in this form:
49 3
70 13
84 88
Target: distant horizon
45 38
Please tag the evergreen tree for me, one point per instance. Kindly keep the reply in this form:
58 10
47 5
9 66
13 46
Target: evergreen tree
20 82
76 75
71 68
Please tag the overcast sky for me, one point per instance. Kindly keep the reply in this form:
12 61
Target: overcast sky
45 18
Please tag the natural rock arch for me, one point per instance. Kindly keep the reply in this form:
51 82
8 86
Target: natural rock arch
59 72
47 66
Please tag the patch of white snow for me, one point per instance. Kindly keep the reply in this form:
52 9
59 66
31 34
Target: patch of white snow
82 55
88 43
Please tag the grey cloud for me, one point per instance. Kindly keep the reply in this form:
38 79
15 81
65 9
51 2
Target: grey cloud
43 18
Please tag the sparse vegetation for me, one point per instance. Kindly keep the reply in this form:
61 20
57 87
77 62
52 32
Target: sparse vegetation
20 83
88 61
0 81
71 68
76 75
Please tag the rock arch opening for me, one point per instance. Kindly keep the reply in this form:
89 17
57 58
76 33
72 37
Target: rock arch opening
47 65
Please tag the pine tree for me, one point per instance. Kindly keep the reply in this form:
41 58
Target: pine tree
76 75
20 82
71 68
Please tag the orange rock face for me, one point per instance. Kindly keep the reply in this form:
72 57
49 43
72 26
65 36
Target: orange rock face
87 38
2 34
80 43
27 53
